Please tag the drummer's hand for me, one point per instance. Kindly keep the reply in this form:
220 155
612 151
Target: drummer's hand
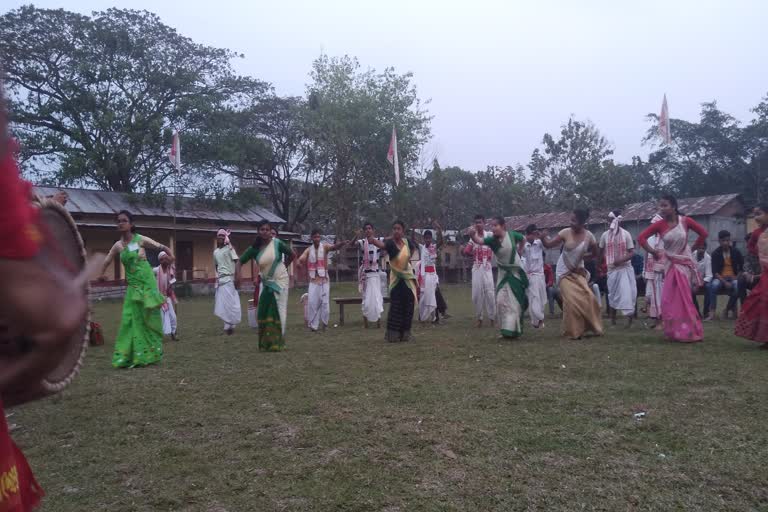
43 308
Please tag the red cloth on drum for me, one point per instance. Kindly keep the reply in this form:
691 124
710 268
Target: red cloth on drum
19 492
20 236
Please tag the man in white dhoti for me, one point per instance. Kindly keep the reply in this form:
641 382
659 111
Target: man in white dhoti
653 272
166 277
618 248
428 279
533 257
315 257
370 277
227 305
483 287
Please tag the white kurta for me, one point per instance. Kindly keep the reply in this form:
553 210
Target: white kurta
483 287
430 281
373 282
622 286
164 281
537 284
227 300
318 305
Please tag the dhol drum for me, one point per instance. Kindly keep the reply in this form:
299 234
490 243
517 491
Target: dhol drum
63 251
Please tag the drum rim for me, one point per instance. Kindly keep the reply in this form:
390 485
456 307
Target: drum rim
49 386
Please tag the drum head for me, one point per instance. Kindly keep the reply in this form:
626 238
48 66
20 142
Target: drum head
64 250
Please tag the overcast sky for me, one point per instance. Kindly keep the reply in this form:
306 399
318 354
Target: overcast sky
502 73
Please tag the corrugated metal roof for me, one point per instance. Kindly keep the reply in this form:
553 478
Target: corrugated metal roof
102 202
693 206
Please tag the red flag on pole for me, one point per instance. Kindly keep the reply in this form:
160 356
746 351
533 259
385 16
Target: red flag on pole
175 153
664 131
392 155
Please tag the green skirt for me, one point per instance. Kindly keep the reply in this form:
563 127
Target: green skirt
270 327
140 339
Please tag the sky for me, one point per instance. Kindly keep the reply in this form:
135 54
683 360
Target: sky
500 74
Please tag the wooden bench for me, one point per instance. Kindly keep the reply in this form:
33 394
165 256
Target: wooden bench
343 301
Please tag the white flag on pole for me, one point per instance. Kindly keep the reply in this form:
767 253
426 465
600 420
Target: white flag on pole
392 155
664 130
175 153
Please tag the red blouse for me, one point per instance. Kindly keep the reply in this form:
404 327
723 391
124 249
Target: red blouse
661 227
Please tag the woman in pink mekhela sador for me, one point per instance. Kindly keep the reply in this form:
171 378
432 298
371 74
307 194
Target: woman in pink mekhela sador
679 316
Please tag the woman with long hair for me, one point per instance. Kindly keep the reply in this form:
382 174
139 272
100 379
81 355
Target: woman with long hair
140 338
581 309
402 283
272 255
679 316
512 281
753 320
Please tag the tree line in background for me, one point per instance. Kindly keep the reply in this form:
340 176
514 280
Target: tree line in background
94 101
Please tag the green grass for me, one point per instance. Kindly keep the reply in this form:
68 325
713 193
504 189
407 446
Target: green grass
457 420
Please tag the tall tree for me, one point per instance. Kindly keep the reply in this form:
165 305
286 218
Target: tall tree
563 163
352 114
263 141
94 97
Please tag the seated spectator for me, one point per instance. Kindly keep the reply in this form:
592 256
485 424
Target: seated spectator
704 269
727 264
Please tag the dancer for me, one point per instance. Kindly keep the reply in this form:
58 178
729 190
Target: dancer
370 277
753 321
165 273
581 309
227 302
618 249
402 283
272 255
483 289
316 259
654 278
429 282
511 300
533 255
681 321
140 339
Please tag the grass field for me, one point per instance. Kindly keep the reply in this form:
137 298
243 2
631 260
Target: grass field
457 420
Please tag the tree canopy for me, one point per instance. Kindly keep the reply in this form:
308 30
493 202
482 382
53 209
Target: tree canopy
94 100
